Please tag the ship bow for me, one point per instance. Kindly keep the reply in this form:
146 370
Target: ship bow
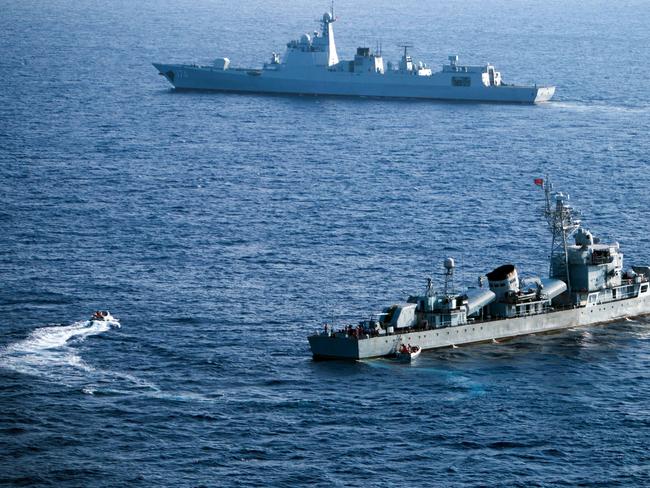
167 71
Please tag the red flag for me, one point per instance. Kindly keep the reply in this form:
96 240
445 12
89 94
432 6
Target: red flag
539 181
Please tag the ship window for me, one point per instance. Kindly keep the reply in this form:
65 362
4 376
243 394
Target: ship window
461 81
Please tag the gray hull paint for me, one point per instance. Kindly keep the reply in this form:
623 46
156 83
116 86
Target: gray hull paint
188 77
347 348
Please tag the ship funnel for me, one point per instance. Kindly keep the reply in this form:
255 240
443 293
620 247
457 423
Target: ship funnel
503 280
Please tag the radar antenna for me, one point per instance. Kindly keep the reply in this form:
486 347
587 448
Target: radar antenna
450 265
406 46
562 221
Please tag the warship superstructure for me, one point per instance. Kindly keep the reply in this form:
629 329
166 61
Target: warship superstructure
587 284
311 66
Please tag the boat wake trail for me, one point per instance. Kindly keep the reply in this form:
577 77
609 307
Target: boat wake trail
592 107
50 352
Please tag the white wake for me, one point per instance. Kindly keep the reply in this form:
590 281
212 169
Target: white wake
591 107
50 352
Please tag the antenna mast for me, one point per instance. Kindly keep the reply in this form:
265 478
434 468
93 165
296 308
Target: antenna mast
450 265
563 222
405 45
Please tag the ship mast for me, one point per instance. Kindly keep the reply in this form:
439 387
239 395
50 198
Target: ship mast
406 45
450 265
563 222
328 35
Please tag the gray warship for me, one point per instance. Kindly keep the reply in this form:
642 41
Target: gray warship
587 284
311 66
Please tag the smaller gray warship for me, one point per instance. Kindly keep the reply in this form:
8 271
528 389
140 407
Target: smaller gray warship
587 284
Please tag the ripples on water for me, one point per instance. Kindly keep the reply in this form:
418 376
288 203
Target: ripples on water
224 229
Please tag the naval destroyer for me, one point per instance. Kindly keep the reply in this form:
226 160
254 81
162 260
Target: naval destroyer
587 284
311 66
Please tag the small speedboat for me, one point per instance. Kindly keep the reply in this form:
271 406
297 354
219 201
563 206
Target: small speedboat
102 316
406 354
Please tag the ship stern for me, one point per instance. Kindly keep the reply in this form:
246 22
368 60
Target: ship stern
333 347
544 94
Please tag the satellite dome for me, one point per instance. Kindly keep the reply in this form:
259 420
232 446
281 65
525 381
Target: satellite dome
305 39
327 17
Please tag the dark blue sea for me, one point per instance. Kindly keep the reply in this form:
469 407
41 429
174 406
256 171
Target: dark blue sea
223 229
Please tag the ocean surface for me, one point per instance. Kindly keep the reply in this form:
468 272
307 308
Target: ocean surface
223 229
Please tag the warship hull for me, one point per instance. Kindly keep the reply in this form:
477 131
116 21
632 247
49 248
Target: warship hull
337 347
332 83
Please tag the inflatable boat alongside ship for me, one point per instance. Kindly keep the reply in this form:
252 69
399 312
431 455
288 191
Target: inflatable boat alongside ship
587 285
